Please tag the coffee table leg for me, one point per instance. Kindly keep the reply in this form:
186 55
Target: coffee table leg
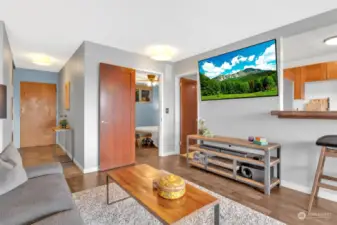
107 194
107 189
216 214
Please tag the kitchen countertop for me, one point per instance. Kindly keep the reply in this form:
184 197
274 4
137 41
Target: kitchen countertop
329 115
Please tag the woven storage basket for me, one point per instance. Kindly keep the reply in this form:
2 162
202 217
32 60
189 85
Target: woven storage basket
170 186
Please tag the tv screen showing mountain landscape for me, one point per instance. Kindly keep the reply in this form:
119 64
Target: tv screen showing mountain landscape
245 73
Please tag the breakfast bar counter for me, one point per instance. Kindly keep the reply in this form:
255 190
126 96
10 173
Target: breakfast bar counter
327 115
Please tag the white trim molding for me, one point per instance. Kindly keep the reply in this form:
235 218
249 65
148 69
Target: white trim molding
307 190
84 170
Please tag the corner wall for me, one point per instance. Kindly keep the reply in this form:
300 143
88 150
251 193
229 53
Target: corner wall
6 74
95 54
73 71
251 117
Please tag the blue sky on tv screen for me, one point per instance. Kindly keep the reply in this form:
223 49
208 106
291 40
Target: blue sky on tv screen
261 56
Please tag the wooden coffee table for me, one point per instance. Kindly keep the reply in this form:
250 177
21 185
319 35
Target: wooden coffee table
137 181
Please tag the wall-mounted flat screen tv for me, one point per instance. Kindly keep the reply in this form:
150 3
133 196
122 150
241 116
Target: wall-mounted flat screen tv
245 73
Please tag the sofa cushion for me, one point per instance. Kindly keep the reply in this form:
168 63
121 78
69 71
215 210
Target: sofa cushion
37 198
71 217
12 173
45 169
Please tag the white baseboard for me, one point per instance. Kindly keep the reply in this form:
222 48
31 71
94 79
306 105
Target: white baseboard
91 170
84 170
322 193
169 153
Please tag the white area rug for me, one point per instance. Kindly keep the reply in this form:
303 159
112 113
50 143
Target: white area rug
94 210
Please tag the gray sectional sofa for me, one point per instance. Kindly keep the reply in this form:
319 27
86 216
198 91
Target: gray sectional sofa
44 198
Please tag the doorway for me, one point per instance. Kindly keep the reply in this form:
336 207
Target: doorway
147 114
37 114
188 110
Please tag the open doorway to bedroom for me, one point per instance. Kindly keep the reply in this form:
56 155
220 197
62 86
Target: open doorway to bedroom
147 114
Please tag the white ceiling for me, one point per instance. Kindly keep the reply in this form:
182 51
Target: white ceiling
57 28
309 45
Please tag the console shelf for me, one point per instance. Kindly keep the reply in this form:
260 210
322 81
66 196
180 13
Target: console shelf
229 174
273 160
223 164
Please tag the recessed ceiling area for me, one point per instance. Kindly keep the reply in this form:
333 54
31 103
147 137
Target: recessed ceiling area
309 45
57 28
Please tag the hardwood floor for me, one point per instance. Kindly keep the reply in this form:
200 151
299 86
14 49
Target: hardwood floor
283 204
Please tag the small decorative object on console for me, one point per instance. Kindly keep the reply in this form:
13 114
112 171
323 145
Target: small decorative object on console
251 138
170 186
260 141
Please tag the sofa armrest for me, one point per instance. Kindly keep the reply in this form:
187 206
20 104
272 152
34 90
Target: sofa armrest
46 169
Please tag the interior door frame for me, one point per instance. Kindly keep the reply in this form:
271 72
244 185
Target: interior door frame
161 108
177 107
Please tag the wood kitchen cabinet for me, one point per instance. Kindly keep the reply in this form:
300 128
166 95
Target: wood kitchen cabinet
299 83
315 72
310 73
289 74
331 70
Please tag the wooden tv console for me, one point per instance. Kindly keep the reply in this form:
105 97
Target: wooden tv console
219 164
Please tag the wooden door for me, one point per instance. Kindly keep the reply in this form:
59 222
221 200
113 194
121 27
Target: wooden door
37 114
117 116
188 111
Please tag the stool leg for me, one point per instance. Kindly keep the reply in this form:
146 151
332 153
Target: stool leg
320 175
317 178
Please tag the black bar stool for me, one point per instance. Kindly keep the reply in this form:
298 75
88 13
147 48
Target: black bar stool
329 149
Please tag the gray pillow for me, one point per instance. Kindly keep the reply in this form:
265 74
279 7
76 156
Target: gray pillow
12 173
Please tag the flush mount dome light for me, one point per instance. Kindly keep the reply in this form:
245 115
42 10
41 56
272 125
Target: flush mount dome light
41 59
161 52
331 40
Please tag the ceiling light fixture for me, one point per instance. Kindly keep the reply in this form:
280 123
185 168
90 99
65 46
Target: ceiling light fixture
161 52
331 40
41 59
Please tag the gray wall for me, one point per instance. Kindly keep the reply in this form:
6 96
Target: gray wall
95 54
288 94
247 117
73 71
147 113
6 74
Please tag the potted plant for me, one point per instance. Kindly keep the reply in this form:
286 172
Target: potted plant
63 122
203 130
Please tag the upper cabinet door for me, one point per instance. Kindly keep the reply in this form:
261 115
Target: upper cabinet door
332 70
289 74
316 72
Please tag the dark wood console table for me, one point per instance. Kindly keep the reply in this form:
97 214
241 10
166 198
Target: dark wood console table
214 164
